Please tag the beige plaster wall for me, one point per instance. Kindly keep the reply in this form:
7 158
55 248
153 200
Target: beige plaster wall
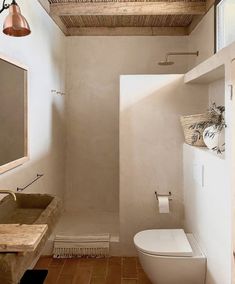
43 52
151 150
94 66
209 205
202 39
233 176
206 213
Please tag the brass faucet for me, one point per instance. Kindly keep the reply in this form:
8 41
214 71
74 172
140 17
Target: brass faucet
8 192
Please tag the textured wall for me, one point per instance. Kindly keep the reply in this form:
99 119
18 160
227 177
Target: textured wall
206 210
202 39
94 67
151 150
43 53
208 189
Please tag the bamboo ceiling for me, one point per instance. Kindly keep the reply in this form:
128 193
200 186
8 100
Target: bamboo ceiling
79 1
127 17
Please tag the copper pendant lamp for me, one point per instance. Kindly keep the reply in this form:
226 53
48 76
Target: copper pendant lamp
15 23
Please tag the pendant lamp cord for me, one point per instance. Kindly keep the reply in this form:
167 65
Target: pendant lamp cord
4 6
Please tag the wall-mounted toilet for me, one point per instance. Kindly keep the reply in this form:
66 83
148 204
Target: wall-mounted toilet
171 257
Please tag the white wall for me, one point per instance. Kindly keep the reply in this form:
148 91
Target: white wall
216 92
202 39
151 140
233 176
94 67
209 210
43 52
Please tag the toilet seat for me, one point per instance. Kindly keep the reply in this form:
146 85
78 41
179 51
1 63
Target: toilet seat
164 242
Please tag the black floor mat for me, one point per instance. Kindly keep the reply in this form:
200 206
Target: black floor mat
34 277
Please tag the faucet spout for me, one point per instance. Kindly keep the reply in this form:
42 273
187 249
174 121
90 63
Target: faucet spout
8 192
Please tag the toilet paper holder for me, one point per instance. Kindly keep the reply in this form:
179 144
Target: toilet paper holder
165 195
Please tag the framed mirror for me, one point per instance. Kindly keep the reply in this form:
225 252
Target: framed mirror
13 114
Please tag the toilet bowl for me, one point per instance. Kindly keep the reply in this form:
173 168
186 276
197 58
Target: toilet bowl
170 257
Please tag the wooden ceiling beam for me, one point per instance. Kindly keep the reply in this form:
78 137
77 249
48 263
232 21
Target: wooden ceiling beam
60 24
195 22
197 19
128 8
128 31
45 4
209 4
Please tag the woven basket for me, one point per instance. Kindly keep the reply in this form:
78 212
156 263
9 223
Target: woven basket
189 133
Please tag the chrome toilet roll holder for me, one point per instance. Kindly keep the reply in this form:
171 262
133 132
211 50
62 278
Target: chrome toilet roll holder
164 195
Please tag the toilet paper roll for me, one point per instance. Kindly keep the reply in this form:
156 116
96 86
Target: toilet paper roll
163 202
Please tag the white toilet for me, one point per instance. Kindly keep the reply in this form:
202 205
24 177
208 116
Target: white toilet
171 257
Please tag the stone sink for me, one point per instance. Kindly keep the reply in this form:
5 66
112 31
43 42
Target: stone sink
28 209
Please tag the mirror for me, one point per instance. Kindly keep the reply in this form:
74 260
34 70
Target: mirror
13 114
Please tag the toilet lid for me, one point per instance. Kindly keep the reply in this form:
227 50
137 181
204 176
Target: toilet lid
163 242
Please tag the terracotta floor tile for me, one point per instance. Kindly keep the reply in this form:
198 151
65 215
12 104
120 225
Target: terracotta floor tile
57 262
138 264
114 271
142 278
115 259
100 268
69 267
130 259
65 279
129 267
53 275
81 262
83 275
43 263
129 281
98 280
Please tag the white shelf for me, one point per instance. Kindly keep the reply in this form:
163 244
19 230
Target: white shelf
205 74
206 151
211 69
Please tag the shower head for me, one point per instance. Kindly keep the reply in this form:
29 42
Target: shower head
166 62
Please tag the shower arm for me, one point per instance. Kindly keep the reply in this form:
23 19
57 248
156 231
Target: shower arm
181 53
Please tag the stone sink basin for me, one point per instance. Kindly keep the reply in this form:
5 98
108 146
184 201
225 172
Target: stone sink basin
28 209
